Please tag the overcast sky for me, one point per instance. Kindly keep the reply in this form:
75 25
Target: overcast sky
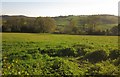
59 7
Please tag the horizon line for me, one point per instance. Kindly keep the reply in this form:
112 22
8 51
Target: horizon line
58 15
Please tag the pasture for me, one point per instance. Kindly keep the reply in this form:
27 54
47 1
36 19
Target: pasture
59 54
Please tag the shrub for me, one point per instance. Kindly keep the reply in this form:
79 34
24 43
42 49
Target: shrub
67 52
52 52
96 56
114 54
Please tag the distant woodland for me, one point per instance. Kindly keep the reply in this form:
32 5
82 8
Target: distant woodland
78 25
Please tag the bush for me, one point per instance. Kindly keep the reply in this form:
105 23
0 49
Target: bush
114 54
52 52
96 56
67 52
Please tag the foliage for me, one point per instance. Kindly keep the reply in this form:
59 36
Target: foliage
117 62
59 55
80 25
103 68
26 24
44 24
114 54
96 56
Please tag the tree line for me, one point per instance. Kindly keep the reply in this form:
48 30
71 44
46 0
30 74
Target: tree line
89 29
30 25
25 24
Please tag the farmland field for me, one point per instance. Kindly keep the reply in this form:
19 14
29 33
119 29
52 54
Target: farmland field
59 54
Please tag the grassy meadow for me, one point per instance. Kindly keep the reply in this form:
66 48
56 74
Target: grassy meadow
59 54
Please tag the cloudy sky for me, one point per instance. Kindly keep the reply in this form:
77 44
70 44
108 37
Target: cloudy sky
59 7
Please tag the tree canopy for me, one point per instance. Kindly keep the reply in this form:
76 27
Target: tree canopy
87 24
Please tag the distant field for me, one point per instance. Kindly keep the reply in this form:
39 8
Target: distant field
106 26
57 54
41 40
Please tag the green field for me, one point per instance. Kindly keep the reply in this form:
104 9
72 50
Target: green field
59 54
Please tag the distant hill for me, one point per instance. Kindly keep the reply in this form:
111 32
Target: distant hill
81 19
64 20
104 21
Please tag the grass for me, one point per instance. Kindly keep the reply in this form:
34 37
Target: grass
55 39
57 54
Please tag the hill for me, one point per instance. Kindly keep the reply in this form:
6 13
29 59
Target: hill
71 24
64 20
